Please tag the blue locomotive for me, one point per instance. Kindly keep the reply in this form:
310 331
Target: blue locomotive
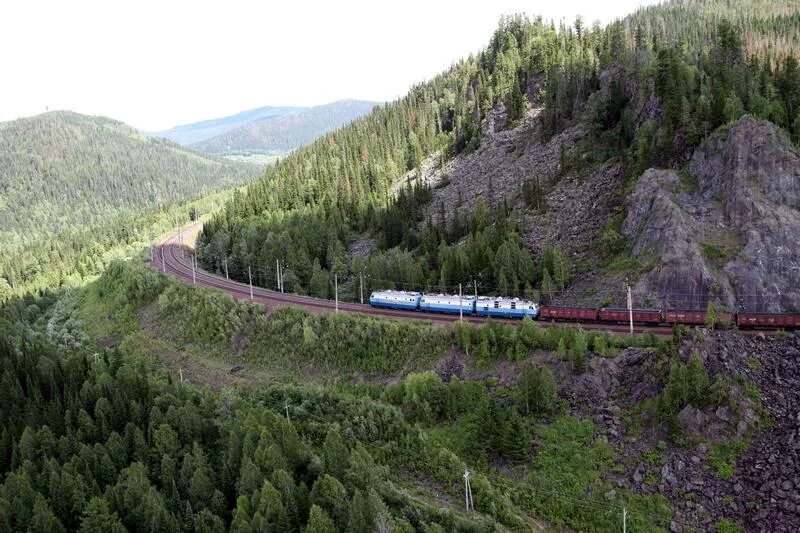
454 304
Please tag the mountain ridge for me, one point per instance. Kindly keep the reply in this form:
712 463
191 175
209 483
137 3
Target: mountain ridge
278 135
194 132
271 130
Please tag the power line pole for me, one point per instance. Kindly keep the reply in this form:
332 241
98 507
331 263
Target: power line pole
361 279
250 277
226 268
475 284
278 273
460 307
630 308
336 290
194 264
163 260
468 492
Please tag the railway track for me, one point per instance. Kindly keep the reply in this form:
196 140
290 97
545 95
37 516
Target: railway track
170 256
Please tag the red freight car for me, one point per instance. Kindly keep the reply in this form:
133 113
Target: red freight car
641 316
768 320
693 317
547 312
680 316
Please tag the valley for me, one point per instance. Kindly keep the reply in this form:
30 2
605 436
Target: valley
188 340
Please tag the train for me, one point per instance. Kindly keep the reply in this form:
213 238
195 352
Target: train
489 306
501 307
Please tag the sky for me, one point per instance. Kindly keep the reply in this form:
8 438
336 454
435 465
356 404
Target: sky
157 64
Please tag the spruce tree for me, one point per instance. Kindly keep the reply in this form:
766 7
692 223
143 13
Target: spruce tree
516 440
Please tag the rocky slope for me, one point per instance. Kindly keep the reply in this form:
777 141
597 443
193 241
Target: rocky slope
726 229
722 230
761 489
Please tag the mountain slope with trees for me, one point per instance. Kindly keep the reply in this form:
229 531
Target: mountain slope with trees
607 103
62 168
281 134
74 186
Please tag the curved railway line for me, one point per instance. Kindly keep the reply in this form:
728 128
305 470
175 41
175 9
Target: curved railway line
169 258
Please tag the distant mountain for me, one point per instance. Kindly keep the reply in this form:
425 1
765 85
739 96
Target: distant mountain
195 132
61 170
277 135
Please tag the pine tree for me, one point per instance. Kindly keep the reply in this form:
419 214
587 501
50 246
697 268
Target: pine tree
331 496
362 514
580 350
547 286
536 389
319 521
98 517
698 381
335 454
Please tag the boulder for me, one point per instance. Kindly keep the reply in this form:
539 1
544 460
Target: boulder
693 422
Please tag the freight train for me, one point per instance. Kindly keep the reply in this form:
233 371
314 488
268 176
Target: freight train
499 307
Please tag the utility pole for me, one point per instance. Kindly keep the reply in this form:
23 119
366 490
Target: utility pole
250 277
278 273
226 268
361 279
624 520
460 307
163 261
194 263
630 308
336 290
468 492
475 284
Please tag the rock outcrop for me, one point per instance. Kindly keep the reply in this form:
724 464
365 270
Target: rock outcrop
728 229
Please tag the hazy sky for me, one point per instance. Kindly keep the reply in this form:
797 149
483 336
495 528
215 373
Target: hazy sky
155 64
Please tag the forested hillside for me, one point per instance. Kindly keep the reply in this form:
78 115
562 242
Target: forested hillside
95 436
61 168
577 108
281 134
73 186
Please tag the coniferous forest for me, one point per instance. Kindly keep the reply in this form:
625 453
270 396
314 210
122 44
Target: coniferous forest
74 186
133 401
704 64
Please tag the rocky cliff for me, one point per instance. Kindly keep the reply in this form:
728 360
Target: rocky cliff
727 228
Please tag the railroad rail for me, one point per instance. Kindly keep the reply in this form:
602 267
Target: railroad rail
170 257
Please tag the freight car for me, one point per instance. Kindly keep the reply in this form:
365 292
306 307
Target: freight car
695 317
640 316
768 320
583 314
